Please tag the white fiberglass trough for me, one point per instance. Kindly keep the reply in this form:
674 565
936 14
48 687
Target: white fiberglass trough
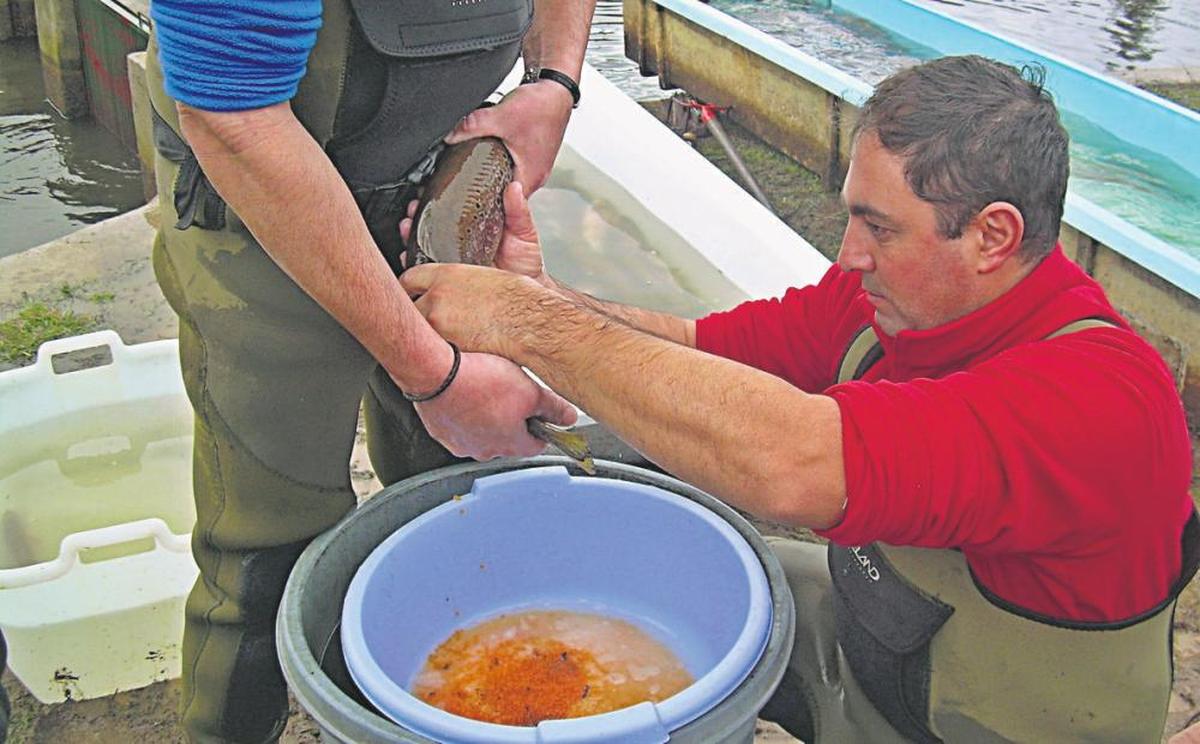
715 241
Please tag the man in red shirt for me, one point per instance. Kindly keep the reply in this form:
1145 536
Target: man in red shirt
1000 464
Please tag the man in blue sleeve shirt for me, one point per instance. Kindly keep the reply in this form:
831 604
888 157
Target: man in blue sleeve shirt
289 135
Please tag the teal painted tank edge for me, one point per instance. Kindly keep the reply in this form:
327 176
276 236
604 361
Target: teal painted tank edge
1130 241
1155 255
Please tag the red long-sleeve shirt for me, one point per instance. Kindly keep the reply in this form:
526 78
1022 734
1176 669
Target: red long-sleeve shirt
1060 467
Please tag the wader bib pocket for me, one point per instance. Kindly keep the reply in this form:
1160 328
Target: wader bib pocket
414 69
420 28
884 626
196 201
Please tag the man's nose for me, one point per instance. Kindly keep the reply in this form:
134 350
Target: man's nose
854 254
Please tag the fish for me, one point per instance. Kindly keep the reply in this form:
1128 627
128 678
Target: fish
460 213
460 219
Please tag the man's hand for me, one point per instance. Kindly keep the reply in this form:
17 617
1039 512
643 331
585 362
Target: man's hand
476 307
520 251
531 120
482 414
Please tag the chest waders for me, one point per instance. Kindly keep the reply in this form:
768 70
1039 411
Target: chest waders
924 653
276 383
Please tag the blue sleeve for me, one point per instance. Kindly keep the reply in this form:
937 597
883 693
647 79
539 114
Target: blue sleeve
234 55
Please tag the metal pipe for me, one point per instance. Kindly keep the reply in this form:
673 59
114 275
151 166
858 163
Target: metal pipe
718 132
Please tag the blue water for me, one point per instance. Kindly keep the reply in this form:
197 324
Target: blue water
1105 35
840 39
1141 187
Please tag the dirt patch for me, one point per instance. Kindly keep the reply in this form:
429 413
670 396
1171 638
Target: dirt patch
148 715
101 274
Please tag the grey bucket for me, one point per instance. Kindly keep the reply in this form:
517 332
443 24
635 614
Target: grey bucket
310 612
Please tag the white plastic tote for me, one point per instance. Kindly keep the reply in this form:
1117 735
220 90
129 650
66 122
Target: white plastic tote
95 516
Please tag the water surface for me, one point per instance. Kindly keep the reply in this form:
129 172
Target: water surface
600 240
56 176
606 52
840 39
1108 35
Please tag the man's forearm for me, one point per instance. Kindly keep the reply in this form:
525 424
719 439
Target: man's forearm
559 34
664 325
281 184
740 433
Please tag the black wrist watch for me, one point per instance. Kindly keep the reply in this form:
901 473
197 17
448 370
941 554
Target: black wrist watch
534 74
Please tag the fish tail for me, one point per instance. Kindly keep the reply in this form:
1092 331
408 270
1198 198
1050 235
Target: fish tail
571 443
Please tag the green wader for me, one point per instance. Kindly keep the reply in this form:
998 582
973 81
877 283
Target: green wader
275 382
900 645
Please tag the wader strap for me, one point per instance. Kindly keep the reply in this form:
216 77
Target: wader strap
1191 555
1082 325
196 202
413 70
383 207
863 352
199 205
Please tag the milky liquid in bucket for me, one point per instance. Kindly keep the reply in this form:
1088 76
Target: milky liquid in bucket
520 669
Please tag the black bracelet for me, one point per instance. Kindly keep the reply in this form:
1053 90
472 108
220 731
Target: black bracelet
534 74
445 383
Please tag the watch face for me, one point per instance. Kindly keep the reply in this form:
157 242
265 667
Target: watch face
531 74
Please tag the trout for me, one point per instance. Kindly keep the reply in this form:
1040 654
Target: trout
460 219
460 216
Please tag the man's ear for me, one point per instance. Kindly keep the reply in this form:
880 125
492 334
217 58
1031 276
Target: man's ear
1001 229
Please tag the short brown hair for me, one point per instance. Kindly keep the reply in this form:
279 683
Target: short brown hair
973 131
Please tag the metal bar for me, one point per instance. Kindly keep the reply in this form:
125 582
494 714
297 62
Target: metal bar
718 132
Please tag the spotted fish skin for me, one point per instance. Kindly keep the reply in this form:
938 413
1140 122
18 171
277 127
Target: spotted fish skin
460 216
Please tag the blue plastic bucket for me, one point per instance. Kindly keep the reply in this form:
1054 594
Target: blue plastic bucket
542 539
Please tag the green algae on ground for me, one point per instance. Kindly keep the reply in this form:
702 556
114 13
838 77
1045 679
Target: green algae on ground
33 325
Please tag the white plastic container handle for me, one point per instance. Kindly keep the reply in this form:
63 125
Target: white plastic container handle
50 349
101 537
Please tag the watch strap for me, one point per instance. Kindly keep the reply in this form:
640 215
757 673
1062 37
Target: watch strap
533 75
